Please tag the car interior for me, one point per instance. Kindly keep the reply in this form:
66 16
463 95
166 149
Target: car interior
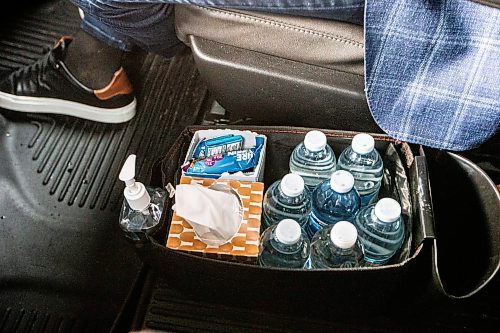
65 265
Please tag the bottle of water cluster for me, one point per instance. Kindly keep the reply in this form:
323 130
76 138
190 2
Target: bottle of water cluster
333 200
336 246
286 199
381 230
313 159
366 165
284 245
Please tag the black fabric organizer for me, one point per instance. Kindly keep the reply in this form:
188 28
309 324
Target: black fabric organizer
366 290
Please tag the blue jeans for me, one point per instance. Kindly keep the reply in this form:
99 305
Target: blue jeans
149 24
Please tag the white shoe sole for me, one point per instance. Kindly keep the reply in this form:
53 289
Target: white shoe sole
69 108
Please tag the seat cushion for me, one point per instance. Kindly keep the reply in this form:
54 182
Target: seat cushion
320 42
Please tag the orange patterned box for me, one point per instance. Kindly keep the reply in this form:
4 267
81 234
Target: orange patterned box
244 246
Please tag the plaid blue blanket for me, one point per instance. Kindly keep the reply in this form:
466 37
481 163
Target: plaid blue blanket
432 70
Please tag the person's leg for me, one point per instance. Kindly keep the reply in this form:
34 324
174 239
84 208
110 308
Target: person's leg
81 60
126 24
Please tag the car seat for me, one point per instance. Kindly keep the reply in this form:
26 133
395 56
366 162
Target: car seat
279 69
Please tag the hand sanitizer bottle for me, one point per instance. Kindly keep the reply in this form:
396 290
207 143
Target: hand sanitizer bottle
143 206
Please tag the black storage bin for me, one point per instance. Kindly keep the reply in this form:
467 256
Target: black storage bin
403 282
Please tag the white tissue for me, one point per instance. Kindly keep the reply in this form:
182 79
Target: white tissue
215 213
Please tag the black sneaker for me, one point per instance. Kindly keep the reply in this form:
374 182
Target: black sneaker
47 86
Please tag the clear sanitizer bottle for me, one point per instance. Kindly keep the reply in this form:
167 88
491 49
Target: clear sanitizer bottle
366 165
333 200
381 230
286 198
313 159
284 245
143 206
337 246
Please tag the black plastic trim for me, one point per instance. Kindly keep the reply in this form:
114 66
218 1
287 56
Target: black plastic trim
264 89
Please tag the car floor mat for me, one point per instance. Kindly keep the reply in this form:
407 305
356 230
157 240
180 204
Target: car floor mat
64 263
163 308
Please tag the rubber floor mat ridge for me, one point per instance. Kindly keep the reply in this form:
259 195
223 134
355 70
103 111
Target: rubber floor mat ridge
23 320
28 33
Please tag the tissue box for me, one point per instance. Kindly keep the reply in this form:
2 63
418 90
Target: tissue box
257 175
244 246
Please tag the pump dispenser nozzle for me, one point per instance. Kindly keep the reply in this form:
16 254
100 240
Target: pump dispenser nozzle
135 192
128 171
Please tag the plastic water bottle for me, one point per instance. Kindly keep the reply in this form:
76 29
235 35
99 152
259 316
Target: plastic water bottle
284 245
313 159
336 246
286 199
366 165
381 230
333 200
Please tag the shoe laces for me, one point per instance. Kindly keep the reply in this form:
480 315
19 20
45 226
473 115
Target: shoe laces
35 73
